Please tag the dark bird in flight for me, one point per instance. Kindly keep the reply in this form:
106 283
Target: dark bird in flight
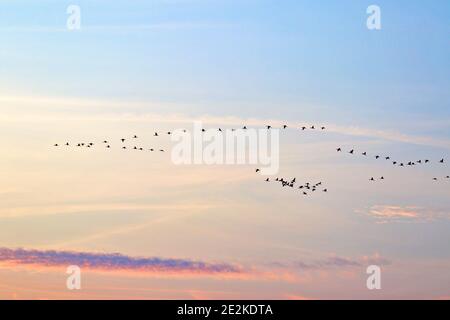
257 170
304 193
220 130
351 151
161 150
388 158
435 179
448 177
67 143
303 128
56 145
364 153
123 140
141 149
124 147
313 127
325 190
419 161
169 133
285 126
442 161
203 130
377 157
108 146
267 180
395 162
402 165
135 148
244 128
372 179
426 161
152 150
105 141
382 178
323 128
338 149
156 134
269 127
135 136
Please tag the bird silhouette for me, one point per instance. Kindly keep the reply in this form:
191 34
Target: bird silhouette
364 153
257 170
382 178
269 127
123 140
67 143
338 149
313 127
285 126
135 136
377 157
56 145
351 151
323 128
325 190
267 180
372 179
244 128
442 161
155 134
303 128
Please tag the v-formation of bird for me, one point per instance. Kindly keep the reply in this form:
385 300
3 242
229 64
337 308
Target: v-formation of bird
156 134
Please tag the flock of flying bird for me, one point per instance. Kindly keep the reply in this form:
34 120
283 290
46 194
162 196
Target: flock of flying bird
156 134
108 145
305 188
397 163
290 183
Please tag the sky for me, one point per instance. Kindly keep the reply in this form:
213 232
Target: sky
141 227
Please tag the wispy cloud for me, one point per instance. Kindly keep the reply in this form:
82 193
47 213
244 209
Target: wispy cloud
167 26
114 262
389 213
340 262
141 117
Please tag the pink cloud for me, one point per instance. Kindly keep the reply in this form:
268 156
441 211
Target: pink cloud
388 213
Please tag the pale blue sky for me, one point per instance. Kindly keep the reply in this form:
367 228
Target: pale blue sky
292 59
